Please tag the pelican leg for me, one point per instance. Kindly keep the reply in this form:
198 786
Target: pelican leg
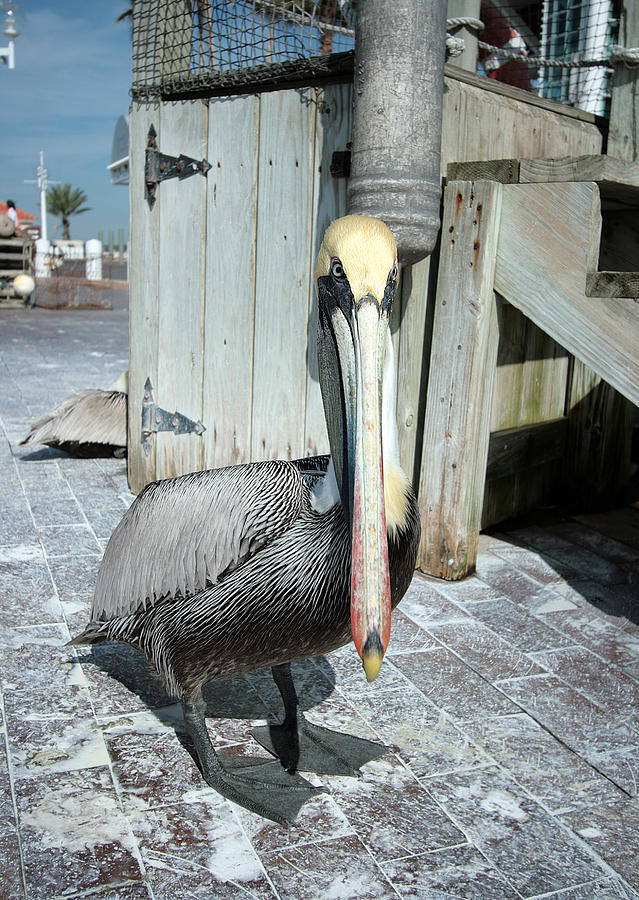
300 744
258 785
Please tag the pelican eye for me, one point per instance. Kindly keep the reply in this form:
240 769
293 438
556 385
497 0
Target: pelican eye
337 270
393 272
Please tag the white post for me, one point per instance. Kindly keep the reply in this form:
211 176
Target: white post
94 260
43 184
43 258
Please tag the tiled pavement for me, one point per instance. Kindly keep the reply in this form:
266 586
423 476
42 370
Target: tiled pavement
508 703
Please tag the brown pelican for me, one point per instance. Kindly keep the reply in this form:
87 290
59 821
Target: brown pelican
218 573
89 423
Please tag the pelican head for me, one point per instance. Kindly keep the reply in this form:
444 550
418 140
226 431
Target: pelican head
356 277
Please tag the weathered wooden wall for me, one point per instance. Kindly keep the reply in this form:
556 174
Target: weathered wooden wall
222 300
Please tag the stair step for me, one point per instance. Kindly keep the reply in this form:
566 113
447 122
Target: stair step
618 179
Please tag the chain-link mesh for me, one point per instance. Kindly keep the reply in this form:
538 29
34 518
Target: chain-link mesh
559 49
190 45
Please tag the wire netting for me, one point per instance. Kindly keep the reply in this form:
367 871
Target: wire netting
560 49
191 45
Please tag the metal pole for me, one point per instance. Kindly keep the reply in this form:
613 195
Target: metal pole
42 180
397 113
43 183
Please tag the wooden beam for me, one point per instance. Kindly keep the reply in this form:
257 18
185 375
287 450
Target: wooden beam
490 86
505 171
617 178
612 284
462 369
549 240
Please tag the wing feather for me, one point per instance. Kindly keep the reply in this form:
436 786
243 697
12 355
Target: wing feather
183 533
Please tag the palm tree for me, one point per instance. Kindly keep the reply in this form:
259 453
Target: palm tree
64 201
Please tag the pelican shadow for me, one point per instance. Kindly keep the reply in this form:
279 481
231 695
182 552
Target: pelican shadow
250 697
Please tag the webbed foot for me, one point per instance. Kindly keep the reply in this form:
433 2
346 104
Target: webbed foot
320 750
259 785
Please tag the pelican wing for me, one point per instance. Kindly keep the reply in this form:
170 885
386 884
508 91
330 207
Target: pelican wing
88 417
184 533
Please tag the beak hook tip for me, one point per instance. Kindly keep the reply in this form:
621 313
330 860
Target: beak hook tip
372 656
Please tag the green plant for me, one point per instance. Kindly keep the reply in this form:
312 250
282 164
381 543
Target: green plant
64 200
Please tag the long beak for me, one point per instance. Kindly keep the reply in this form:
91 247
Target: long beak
370 584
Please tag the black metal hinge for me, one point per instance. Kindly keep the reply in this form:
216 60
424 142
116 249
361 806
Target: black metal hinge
158 167
154 419
341 163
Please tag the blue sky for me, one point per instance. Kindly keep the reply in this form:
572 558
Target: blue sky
70 84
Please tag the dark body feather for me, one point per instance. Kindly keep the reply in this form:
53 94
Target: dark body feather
281 590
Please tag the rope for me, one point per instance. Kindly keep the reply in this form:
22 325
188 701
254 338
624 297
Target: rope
629 56
572 62
454 46
465 22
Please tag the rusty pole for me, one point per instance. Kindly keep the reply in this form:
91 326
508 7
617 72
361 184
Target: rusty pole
397 116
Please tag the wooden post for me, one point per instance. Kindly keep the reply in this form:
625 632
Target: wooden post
462 369
470 9
623 133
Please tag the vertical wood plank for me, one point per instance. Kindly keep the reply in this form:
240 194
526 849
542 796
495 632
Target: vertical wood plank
282 274
623 134
463 356
597 461
181 294
414 333
333 123
532 369
230 279
144 259
529 388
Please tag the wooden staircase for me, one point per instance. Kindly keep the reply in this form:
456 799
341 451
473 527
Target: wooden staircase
559 240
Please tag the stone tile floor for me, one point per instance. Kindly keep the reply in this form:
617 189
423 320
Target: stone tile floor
508 703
